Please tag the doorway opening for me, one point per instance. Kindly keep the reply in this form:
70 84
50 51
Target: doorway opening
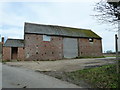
14 52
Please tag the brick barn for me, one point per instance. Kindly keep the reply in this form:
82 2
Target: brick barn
50 42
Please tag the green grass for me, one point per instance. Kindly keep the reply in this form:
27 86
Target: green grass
109 56
100 77
89 57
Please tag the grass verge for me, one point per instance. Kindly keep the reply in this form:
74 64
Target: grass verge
100 77
80 57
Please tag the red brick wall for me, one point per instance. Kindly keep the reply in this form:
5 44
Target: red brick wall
87 48
6 53
37 49
47 50
20 53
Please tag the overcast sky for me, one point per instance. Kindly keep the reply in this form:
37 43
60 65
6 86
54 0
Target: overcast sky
73 13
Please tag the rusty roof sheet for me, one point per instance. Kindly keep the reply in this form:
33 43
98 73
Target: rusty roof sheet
59 31
14 43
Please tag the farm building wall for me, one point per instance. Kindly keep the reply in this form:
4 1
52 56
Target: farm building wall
21 53
0 50
90 49
7 53
37 49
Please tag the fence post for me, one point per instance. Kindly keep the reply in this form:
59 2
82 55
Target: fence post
116 47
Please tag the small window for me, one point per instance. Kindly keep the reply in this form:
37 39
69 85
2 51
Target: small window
36 52
36 46
52 52
46 38
90 39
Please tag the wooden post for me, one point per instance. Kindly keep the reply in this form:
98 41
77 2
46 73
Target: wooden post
117 61
116 47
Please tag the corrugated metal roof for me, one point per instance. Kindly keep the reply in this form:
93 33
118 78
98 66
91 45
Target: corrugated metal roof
14 43
59 30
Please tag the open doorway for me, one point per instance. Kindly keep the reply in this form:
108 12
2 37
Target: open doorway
14 52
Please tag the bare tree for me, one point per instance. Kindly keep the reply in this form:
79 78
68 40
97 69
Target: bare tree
108 11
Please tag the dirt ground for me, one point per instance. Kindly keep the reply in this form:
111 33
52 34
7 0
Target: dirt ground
62 65
59 68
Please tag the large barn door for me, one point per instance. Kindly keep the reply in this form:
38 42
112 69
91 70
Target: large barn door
70 48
